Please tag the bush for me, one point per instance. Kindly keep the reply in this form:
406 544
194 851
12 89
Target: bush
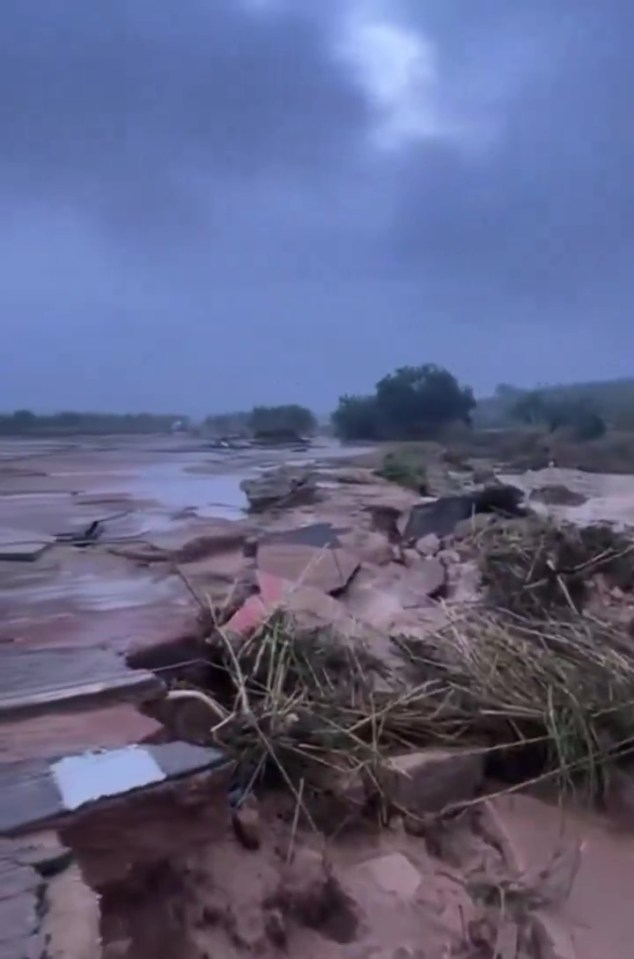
291 418
403 469
264 421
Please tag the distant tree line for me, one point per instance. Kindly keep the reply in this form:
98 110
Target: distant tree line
264 420
576 417
27 423
612 401
413 402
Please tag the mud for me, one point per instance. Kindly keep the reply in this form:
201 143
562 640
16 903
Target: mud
379 893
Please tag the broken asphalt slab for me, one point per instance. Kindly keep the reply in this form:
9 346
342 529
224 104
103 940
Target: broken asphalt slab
328 569
22 546
317 535
32 793
443 515
35 681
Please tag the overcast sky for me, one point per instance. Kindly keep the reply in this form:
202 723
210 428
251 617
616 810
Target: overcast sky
210 203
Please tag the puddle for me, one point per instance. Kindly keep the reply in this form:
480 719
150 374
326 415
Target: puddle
211 494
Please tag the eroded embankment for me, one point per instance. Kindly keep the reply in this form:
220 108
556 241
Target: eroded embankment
359 819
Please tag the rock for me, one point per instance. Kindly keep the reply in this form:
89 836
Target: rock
309 607
247 825
428 545
213 544
432 577
370 547
329 570
283 487
351 476
393 874
411 557
464 582
431 780
449 557
348 788
556 494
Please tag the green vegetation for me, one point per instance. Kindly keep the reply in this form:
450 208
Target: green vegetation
405 469
27 423
414 402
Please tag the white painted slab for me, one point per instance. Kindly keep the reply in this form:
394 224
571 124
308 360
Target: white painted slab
93 776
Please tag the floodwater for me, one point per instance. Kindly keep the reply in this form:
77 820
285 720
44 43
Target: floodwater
609 497
138 487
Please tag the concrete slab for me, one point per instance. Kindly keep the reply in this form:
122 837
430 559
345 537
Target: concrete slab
318 535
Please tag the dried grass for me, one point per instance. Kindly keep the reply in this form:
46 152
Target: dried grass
565 684
304 705
535 566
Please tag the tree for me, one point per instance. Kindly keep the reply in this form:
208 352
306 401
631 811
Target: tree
414 402
418 401
356 418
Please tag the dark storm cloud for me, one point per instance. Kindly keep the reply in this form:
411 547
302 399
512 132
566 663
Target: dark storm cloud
191 193
135 105
546 213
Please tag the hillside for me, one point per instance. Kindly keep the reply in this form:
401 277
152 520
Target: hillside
613 399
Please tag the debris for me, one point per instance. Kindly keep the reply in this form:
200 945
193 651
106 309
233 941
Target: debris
442 515
86 537
275 928
393 873
432 577
428 545
329 569
247 824
281 488
429 781
540 565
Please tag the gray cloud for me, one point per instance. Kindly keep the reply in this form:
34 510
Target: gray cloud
546 214
192 194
